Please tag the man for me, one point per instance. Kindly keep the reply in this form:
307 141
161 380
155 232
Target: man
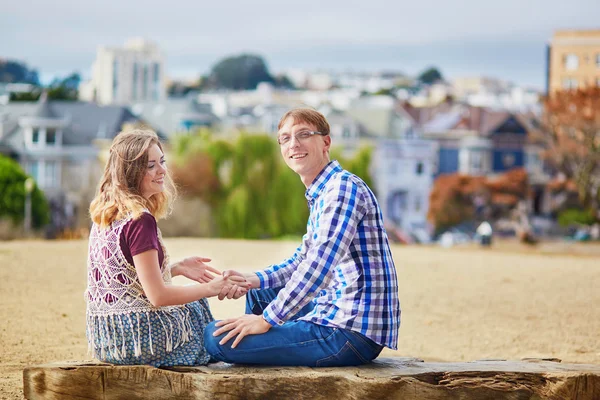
335 301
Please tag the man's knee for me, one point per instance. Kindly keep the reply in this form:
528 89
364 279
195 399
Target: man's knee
211 342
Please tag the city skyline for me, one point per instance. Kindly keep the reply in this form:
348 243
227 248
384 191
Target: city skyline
503 40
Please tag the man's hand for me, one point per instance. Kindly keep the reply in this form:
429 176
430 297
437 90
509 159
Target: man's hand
195 269
234 292
240 327
226 284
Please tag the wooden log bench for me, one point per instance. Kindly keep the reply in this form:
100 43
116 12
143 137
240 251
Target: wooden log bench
386 378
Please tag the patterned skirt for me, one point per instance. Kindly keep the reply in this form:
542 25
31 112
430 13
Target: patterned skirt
159 340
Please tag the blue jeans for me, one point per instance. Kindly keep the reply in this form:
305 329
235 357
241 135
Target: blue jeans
295 343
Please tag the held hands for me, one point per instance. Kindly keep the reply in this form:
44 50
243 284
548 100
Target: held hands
228 284
195 269
249 324
233 292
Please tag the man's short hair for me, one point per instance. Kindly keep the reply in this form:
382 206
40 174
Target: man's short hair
308 116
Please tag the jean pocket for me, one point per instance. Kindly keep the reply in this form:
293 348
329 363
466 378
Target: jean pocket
347 356
325 331
363 341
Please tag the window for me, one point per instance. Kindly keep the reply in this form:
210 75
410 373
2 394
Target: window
35 136
569 83
51 136
392 170
533 161
508 159
145 83
135 80
571 62
115 82
420 168
50 174
418 203
156 79
33 168
156 73
476 161
346 132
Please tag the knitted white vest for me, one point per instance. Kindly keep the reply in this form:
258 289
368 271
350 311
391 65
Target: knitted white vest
114 295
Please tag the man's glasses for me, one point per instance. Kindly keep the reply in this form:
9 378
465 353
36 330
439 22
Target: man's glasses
286 138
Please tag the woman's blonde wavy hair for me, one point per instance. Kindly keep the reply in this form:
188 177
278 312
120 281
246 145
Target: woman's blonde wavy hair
118 195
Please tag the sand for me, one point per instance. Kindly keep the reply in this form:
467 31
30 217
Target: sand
458 304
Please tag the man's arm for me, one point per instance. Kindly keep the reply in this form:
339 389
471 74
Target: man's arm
343 209
279 274
275 276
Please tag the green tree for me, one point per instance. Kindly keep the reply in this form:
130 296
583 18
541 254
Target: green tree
26 96
12 195
238 73
430 75
251 190
16 72
359 164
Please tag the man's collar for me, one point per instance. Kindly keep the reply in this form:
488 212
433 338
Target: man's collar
317 185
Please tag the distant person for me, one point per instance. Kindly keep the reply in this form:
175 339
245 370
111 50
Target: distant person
134 314
484 231
334 302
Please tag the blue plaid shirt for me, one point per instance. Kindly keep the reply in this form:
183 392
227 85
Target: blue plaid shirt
344 264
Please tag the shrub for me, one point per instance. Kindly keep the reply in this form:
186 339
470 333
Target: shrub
574 216
12 196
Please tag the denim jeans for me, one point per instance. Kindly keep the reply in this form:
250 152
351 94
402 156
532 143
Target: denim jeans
295 343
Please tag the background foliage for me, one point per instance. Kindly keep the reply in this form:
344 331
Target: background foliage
12 195
253 194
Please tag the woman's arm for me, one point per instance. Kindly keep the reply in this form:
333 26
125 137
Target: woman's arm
159 294
194 268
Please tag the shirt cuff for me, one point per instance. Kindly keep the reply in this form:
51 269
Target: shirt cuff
263 279
272 319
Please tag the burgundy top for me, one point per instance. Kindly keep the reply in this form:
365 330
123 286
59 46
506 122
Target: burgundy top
140 235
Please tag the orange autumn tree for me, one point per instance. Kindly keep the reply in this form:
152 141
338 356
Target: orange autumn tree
454 197
571 135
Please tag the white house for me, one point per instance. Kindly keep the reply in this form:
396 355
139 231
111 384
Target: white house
56 143
403 171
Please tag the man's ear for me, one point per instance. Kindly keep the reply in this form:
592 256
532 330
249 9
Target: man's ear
327 140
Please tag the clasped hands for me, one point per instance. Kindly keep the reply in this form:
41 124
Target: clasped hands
228 284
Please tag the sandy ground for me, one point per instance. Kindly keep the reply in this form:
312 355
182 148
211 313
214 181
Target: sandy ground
457 304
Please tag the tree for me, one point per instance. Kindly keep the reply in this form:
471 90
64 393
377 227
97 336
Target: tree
16 72
26 96
359 164
571 135
251 191
282 81
242 72
66 88
12 195
430 75
457 198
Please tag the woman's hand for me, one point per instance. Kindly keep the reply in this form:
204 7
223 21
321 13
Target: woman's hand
227 284
195 269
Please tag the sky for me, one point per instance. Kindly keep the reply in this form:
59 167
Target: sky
502 39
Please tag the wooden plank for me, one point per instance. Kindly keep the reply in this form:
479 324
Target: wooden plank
386 378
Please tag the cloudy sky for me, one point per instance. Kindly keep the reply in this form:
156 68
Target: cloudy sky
500 38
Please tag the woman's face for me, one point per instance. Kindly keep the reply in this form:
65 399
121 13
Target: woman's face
154 179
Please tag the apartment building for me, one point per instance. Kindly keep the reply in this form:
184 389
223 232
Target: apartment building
124 75
573 60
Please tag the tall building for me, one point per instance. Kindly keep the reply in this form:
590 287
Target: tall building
573 60
126 74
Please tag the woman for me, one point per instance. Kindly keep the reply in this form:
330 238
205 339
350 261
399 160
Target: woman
134 314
